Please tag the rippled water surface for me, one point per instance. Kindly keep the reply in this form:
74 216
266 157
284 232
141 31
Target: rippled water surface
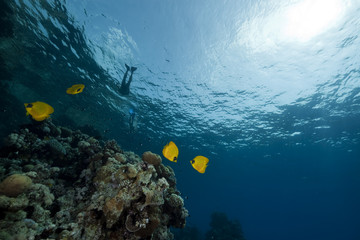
268 90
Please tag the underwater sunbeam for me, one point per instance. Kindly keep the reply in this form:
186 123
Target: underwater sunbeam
310 18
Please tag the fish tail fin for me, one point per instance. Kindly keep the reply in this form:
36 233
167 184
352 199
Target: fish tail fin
133 69
127 67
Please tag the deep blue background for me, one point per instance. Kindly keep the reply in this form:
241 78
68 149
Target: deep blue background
278 115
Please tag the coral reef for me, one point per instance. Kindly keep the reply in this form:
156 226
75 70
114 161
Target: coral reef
14 185
222 228
151 158
63 184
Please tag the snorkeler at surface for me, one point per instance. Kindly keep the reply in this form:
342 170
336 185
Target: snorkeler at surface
131 120
125 86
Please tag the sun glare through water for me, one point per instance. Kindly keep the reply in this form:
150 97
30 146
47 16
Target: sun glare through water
309 18
299 22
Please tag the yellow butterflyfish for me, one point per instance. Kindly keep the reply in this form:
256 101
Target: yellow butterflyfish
75 89
38 110
200 163
171 151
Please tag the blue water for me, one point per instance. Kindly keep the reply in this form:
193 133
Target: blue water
269 91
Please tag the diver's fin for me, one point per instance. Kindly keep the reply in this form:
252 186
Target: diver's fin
127 67
133 69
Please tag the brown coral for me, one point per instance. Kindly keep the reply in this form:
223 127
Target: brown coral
14 185
150 227
131 224
151 158
112 210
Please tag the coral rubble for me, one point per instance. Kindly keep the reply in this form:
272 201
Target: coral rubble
63 184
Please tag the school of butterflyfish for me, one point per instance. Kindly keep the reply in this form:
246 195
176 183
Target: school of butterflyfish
40 111
171 152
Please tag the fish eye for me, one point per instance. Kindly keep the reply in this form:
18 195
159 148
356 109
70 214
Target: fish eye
29 105
192 161
78 90
175 158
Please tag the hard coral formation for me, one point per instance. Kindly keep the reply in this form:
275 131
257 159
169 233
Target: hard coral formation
151 158
71 186
14 185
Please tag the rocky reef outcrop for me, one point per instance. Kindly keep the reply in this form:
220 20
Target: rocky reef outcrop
56 183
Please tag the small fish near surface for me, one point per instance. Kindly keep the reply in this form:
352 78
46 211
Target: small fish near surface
38 110
200 163
75 89
171 151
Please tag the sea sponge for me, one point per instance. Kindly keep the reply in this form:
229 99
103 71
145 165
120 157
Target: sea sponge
14 185
151 158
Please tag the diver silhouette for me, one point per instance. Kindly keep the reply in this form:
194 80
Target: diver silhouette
125 86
